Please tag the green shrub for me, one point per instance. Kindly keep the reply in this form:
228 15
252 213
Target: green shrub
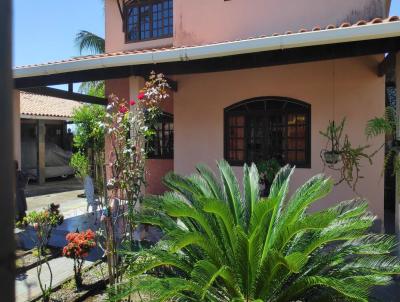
80 163
221 245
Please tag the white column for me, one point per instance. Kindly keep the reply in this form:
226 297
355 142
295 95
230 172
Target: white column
17 126
41 148
135 85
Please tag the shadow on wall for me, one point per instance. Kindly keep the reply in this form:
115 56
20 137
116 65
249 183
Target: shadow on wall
372 9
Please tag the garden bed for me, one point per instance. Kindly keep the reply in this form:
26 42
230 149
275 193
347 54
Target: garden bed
94 282
27 260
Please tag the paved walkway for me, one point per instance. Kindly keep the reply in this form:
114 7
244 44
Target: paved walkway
27 285
53 186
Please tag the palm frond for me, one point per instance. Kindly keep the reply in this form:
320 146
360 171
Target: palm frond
382 125
90 42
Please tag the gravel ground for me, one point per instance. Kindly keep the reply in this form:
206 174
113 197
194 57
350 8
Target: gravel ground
68 292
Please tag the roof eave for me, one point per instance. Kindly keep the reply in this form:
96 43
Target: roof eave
287 41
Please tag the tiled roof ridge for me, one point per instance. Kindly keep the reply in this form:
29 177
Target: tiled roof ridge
301 30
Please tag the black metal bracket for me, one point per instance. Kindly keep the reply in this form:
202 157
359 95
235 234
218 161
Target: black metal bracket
388 62
121 7
172 84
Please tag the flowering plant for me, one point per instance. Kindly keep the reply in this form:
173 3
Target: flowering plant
78 247
129 126
129 129
43 222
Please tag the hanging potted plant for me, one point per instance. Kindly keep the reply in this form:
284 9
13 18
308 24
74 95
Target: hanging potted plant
342 156
333 133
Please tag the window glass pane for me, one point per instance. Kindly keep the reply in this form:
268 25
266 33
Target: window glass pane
301 156
149 20
162 143
291 156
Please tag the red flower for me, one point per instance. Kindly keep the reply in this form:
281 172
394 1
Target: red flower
141 96
132 102
79 244
123 109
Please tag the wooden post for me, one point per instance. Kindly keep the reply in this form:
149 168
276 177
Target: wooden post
397 197
41 149
7 168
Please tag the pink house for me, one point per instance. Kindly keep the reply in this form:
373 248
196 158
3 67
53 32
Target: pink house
253 80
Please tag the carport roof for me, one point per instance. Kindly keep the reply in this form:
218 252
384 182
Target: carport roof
37 106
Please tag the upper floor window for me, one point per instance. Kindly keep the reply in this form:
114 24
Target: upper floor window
266 128
161 144
148 19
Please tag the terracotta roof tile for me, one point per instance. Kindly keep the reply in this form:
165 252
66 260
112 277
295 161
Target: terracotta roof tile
302 30
377 20
361 22
345 24
41 105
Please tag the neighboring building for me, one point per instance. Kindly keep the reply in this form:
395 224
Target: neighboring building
255 79
44 123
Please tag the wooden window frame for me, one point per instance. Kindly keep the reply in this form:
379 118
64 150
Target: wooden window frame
229 112
164 119
138 4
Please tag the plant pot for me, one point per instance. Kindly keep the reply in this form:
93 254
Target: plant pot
331 157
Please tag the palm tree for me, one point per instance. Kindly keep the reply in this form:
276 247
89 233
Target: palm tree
387 125
221 245
92 43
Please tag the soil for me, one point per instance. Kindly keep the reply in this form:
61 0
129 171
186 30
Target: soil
28 259
94 282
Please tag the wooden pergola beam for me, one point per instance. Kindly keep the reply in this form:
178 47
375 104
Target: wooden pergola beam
67 95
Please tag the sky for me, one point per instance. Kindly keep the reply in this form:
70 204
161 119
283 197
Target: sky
44 30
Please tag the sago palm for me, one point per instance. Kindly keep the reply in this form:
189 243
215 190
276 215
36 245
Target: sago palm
222 245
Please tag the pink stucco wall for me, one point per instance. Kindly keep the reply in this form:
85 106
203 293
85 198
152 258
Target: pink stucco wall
206 21
156 170
335 89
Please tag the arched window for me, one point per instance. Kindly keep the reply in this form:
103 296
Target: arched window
265 128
